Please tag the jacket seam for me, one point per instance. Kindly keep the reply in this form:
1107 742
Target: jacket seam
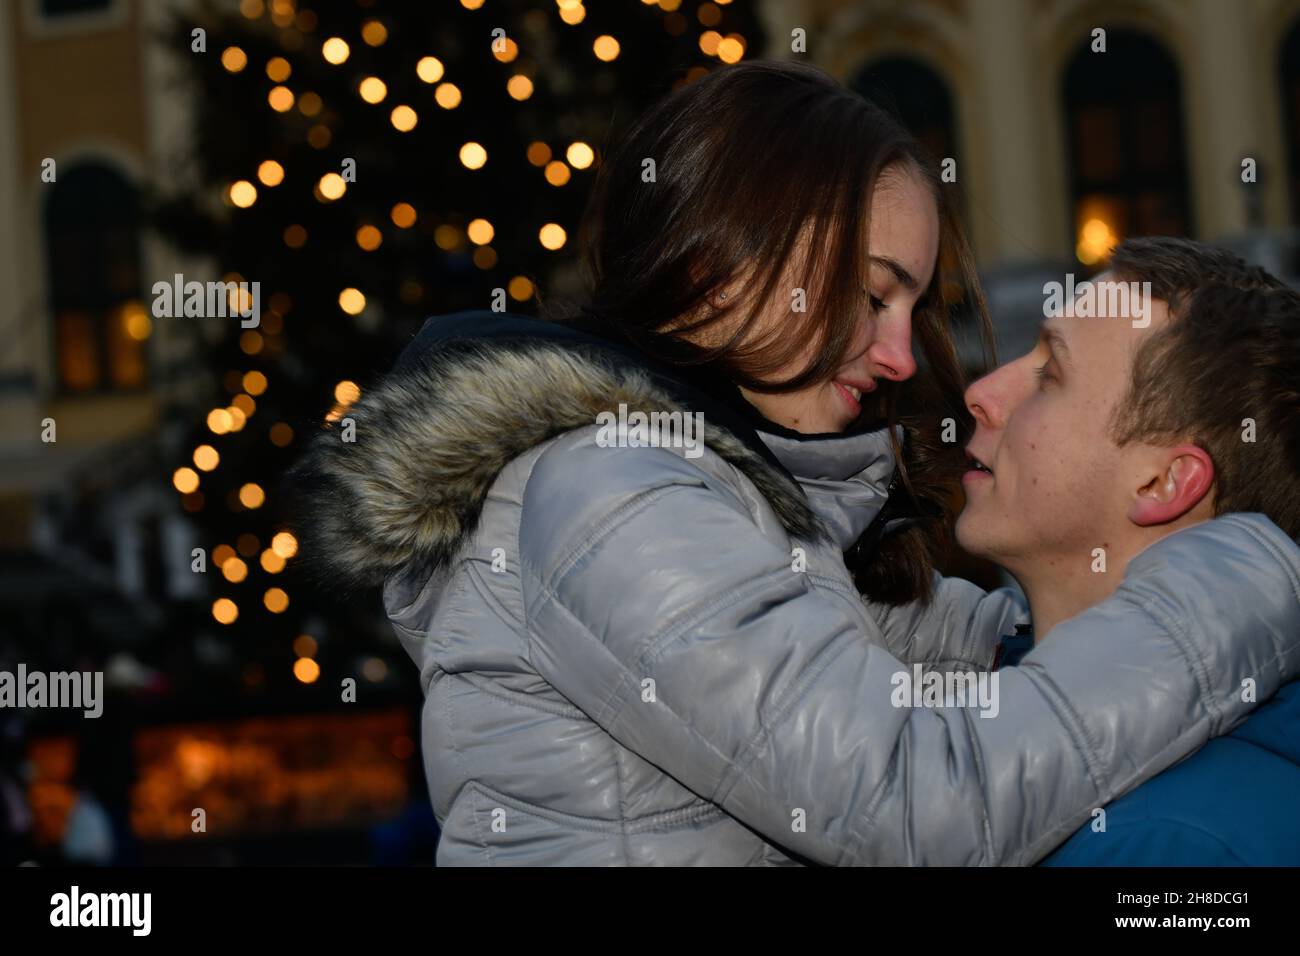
1292 576
832 584
1196 663
622 800
474 796
768 724
484 592
459 758
638 502
977 757
487 686
968 645
449 716
880 614
1069 719
649 823
702 611
798 689
690 616
944 663
605 713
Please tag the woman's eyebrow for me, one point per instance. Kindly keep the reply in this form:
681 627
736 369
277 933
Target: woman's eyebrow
905 278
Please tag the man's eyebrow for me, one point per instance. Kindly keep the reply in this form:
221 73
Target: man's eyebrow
1055 341
905 278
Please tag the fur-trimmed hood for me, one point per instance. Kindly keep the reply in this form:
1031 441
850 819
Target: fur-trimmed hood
473 392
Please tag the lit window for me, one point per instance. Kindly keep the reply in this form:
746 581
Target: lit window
92 235
1125 145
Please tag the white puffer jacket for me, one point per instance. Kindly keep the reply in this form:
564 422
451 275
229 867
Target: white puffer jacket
624 664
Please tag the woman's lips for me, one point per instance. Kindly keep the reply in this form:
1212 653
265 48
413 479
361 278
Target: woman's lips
852 393
854 406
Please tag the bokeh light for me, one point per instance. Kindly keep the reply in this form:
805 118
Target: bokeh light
352 301
251 495
373 89
473 155
579 155
284 544
606 48
447 95
552 236
234 59
429 69
206 458
270 173
185 480
335 50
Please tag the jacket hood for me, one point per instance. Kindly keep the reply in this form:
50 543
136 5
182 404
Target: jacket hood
472 392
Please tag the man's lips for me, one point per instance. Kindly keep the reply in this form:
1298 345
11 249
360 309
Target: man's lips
978 470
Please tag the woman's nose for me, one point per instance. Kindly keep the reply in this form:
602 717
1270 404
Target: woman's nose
891 354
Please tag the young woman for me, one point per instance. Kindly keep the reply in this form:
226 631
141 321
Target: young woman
638 652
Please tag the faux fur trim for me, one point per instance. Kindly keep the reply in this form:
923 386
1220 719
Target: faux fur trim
431 439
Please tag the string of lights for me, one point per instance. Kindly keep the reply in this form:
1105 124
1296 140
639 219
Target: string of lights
287 94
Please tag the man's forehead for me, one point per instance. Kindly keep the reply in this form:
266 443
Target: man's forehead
1103 338
1107 297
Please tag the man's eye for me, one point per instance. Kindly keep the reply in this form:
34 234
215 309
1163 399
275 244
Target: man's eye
1044 374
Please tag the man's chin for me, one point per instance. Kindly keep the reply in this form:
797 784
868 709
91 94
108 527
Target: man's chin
970 537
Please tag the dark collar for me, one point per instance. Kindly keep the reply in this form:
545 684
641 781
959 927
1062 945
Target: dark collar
1013 647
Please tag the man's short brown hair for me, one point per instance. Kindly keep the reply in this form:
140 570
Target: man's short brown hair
1229 357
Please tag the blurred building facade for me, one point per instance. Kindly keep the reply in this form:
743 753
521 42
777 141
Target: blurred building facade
1062 149
91 118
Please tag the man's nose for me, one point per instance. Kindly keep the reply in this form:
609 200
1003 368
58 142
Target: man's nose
986 398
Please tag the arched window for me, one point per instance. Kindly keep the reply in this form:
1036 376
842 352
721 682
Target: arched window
1289 70
92 242
917 95
1125 145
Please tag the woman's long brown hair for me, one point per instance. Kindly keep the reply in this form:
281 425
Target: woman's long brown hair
720 178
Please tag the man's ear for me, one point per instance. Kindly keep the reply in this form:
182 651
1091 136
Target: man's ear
1185 477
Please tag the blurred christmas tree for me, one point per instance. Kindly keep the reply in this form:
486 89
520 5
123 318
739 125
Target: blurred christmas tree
370 164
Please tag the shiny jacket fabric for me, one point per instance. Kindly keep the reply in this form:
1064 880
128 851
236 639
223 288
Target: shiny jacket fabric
632 656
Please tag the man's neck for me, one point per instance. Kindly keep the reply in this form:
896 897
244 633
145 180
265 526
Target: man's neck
1053 600
1059 586
1056 595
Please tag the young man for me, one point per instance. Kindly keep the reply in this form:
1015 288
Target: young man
1112 433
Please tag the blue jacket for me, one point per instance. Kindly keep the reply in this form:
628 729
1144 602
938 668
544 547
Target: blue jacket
1235 802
